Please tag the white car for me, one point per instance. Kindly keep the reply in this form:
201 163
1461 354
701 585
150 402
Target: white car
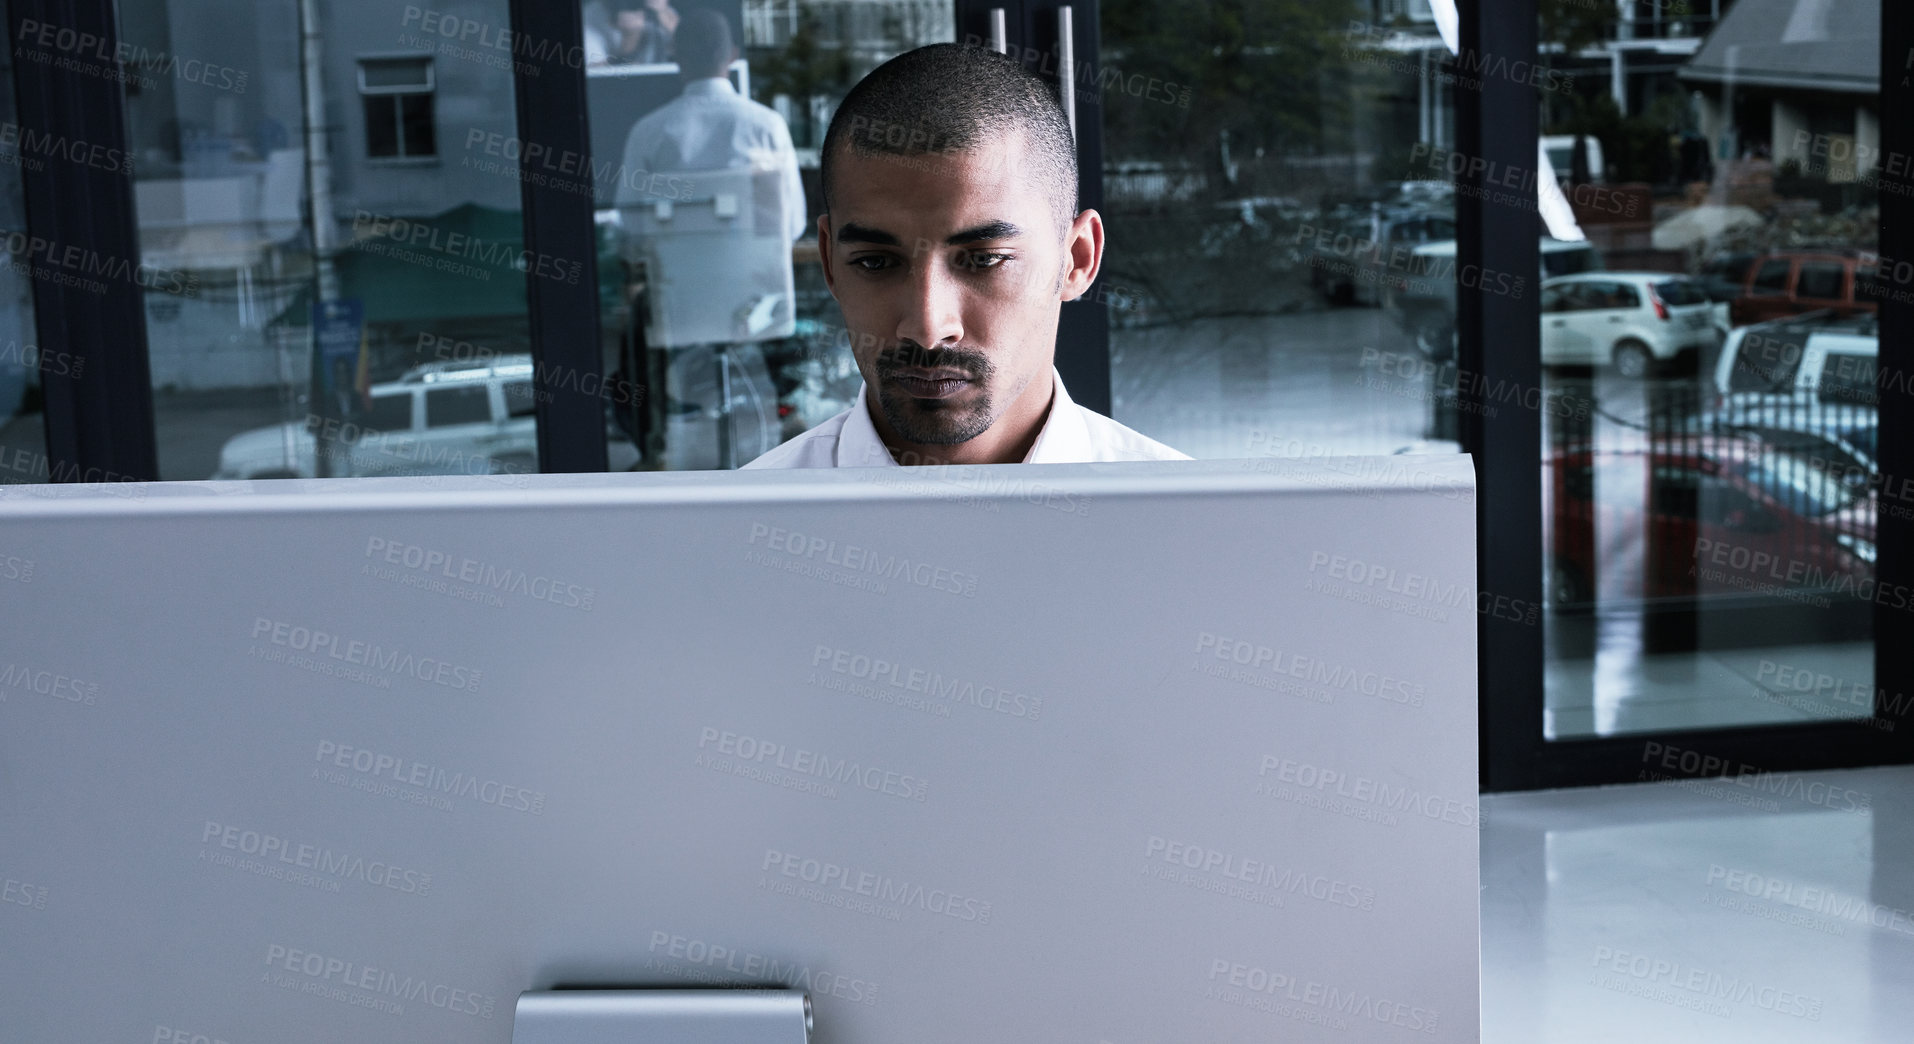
1634 320
439 418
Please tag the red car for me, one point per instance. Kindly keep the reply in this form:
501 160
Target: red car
1791 282
1704 517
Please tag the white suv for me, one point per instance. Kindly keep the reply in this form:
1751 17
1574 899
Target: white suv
436 419
1632 319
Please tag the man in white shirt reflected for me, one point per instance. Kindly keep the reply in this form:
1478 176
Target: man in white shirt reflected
951 238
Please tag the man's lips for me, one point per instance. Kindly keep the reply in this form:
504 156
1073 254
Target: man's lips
924 384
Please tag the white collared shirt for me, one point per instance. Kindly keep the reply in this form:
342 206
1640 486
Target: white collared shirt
710 126
1070 435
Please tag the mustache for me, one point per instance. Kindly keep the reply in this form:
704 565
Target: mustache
907 356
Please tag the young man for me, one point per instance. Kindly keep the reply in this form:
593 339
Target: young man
951 238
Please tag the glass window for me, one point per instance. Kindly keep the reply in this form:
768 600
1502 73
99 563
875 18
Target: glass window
1678 293
459 404
292 306
1729 535
1293 336
711 368
1772 277
389 412
23 366
1822 280
398 107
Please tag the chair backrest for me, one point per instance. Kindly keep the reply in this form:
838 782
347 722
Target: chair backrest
717 254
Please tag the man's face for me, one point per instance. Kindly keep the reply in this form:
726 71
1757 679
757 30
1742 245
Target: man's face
950 269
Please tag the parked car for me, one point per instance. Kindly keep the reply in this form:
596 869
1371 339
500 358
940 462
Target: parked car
438 418
1424 305
1723 276
1635 320
1785 283
1813 355
1368 256
1685 518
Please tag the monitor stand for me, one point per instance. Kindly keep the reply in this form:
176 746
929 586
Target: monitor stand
666 1016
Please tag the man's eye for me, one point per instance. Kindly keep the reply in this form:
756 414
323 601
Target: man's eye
871 262
983 260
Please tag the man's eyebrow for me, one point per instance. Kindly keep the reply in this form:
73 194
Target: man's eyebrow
852 233
984 232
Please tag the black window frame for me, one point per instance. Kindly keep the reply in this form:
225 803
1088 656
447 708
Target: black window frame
102 419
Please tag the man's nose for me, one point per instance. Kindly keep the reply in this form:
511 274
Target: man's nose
932 316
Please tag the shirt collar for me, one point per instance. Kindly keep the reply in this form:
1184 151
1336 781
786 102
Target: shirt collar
709 85
1064 437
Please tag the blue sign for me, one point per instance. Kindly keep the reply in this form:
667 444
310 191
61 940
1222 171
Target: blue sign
338 327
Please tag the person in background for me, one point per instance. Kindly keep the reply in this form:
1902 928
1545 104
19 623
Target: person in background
710 127
629 32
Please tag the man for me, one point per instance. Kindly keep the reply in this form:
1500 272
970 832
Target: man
951 238
708 127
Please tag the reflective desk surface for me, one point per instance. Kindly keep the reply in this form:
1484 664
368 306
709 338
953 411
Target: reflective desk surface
1777 908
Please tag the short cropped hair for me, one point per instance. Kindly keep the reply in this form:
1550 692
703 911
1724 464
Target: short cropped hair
951 97
702 42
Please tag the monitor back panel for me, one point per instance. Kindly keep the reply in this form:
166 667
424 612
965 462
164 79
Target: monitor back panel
1158 752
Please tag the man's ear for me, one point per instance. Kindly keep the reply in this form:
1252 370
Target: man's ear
1082 254
824 252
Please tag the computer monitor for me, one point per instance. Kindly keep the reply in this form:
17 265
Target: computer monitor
1153 751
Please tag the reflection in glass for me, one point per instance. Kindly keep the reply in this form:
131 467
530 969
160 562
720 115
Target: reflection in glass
1710 481
720 327
332 181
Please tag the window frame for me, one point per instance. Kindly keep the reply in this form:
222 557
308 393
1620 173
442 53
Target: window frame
397 96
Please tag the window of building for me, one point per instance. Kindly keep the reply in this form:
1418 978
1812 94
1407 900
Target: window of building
398 94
